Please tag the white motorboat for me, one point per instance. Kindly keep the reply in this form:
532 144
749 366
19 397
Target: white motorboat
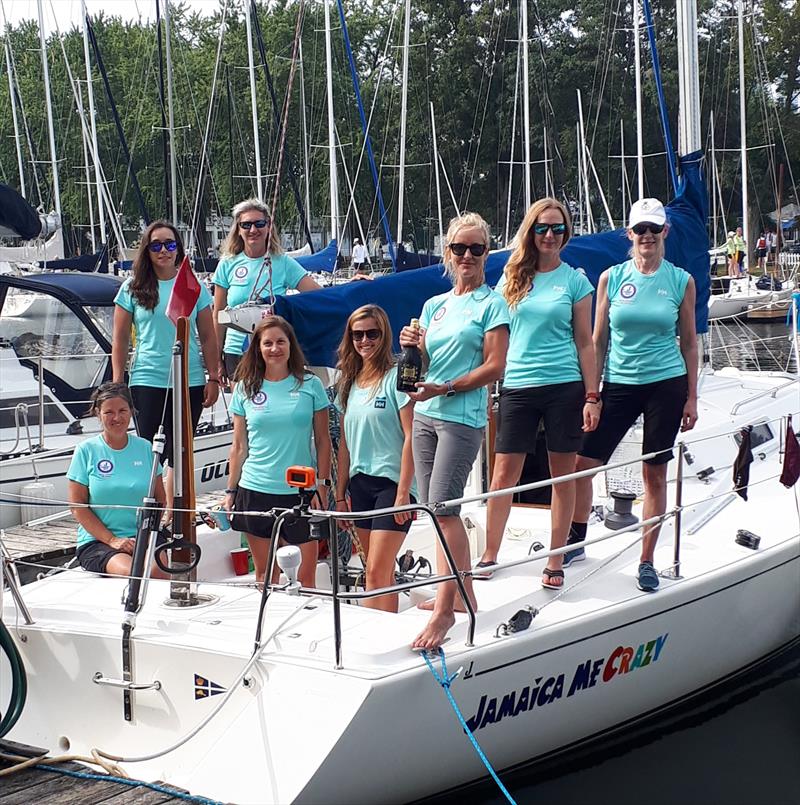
299 726
55 341
743 293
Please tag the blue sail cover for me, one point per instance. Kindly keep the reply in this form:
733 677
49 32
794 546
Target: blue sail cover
17 218
319 317
324 260
89 263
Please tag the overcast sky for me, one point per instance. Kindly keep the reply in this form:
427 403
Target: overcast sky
69 11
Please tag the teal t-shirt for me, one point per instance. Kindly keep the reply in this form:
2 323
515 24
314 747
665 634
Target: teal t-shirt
541 347
114 477
280 430
455 327
155 336
643 323
372 428
238 274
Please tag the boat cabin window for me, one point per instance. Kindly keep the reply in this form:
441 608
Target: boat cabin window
39 325
52 413
760 434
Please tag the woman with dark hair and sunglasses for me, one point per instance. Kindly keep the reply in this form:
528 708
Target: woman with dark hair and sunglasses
141 304
107 471
280 420
550 375
376 465
253 238
642 305
465 335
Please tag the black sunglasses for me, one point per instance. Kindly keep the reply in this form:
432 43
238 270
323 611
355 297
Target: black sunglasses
248 225
641 229
371 334
557 229
157 245
460 249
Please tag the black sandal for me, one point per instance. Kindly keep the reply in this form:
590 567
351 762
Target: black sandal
552 574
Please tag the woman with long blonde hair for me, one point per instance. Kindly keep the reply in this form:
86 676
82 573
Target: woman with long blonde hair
252 253
550 375
465 335
278 409
376 465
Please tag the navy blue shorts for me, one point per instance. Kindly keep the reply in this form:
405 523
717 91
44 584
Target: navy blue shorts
368 492
94 556
294 531
661 403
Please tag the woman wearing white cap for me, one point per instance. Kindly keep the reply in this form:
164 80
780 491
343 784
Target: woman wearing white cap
641 305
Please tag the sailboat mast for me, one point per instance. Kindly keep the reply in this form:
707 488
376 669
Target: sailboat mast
306 160
173 170
438 185
253 102
49 105
93 124
403 115
624 172
526 105
12 99
89 198
331 125
743 130
689 137
513 140
637 56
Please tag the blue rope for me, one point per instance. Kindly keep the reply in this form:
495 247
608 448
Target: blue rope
445 681
162 789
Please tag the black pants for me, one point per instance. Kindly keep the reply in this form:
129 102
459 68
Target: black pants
150 403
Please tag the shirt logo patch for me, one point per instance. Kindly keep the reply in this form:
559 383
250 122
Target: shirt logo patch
663 292
559 288
240 272
259 398
627 291
380 402
105 466
440 313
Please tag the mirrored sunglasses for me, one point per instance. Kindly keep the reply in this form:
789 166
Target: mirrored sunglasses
248 225
157 245
557 229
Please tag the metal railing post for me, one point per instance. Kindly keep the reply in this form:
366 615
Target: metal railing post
333 534
41 405
675 571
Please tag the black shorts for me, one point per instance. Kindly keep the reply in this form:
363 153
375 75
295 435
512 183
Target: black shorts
661 403
293 531
761 253
149 403
95 555
561 407
231 361
368 492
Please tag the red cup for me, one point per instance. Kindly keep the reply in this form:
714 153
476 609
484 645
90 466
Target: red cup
241 560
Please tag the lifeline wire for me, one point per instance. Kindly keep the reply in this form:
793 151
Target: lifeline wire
445 681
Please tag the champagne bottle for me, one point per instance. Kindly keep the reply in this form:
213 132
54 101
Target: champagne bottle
409 367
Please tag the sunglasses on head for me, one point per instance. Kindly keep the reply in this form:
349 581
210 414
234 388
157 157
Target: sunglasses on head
641 229
460 249
371 334
557 229
157 245
248 225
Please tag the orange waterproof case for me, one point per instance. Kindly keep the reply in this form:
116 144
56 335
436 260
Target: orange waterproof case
301 477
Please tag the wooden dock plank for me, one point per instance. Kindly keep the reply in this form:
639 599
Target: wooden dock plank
139 796
58 789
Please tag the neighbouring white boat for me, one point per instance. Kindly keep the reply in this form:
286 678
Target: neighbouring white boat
297 728
741 294
55 342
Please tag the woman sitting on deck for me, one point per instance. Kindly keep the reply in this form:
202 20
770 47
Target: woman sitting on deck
111 469
642 305
376 465
278 407
465 335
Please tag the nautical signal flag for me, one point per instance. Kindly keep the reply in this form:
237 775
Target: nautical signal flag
203 687
185 293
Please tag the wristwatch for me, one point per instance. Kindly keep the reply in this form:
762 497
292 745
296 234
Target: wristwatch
325 481
451 392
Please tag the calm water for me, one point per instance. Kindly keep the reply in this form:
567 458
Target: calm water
740 745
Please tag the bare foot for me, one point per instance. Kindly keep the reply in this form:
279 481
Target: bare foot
434 634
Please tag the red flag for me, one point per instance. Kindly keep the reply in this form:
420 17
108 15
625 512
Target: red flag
791 458
185 293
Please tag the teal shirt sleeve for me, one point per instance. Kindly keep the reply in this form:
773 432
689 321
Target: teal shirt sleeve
321 400
237 401
294 272
204 300
581 287
222 274
495 314
124 298
78 470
